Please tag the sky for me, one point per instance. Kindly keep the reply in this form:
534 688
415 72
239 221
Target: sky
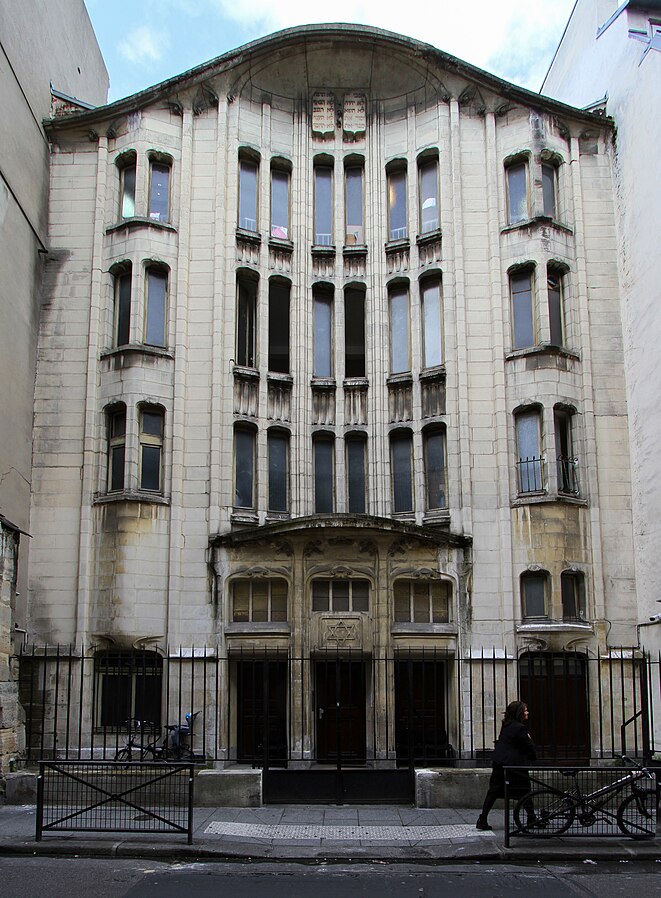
145 42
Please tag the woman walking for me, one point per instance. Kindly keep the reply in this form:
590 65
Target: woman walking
514 748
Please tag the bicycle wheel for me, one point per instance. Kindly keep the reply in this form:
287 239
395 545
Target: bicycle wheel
124 754
636 816
544 813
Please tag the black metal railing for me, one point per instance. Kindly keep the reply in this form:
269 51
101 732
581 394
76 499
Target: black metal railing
568 475
530 475
98 796
270 709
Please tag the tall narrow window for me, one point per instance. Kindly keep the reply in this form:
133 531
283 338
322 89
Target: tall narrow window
429 207
127 190
248 195
323 332
354 332
155 318
279 327
565 455
517 192
434 447
159 192
529 465
151 449
123 307
278 461
280 203
523 321
401 468
246 311
356 475
550 189
400 358
244 468
397 229
353 205
533 594
554 281
432 322
572 585
116 447
324 474
323 205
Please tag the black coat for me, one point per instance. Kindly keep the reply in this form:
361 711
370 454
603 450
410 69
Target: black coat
514 748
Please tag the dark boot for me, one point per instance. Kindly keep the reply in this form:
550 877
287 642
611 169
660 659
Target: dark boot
482 824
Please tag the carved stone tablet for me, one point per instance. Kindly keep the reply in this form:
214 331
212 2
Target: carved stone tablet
323 113
355 114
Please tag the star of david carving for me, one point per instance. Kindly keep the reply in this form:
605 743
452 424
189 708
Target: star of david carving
341 633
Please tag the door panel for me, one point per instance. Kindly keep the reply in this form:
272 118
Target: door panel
340 711
420 712
262 711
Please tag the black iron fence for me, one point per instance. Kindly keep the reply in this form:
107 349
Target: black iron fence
95 796
269 709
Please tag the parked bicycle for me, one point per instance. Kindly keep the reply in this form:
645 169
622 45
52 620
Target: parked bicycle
549 812
175 745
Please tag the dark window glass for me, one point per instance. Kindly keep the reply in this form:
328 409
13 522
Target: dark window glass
245 323
435 469
402 473
323 328
517 193
151 449
151 468
530 462
573 596
278 445
129 688
123 308
522 310
156 293
554 282
399 331
248 195
320 595
244 468
128 191
356 475
159 196
354 333
117 449
323 206
323 476
279 328
549 180
533 587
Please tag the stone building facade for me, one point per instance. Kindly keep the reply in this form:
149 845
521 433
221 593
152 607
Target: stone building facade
331 367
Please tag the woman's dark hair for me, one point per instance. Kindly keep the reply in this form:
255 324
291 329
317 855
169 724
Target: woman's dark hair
514 711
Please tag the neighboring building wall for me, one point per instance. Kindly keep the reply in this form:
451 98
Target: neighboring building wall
593 62
117 563
40 43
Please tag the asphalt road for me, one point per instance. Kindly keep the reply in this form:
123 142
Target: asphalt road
27 877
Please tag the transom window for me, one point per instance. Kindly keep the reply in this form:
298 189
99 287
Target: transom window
255 601
422 601
340 595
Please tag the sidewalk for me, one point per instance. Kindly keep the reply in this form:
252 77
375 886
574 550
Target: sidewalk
322 833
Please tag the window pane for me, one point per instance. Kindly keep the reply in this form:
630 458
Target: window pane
517 193
244 447
548 190
248 195
260 601
280 204
522 317
320 595
150 470
152 423
440 603
128 191
421 603
356 475
534 604
431 309
354 206
278 600
241 604
245 325
402 480
554 283
573 596
323 308
429 210
402 600
399 332
323 206
117 456
278 471
159 197
279 328
123 308
530 466
360 595
323 476
156 290
340 595
354 333
435 470
397 205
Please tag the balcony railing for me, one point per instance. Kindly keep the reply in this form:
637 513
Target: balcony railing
530 475
568 476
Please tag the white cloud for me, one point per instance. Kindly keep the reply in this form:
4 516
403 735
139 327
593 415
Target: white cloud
504 36
144 45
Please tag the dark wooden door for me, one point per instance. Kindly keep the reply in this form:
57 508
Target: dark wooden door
420 712
554 685
262 711
340 711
